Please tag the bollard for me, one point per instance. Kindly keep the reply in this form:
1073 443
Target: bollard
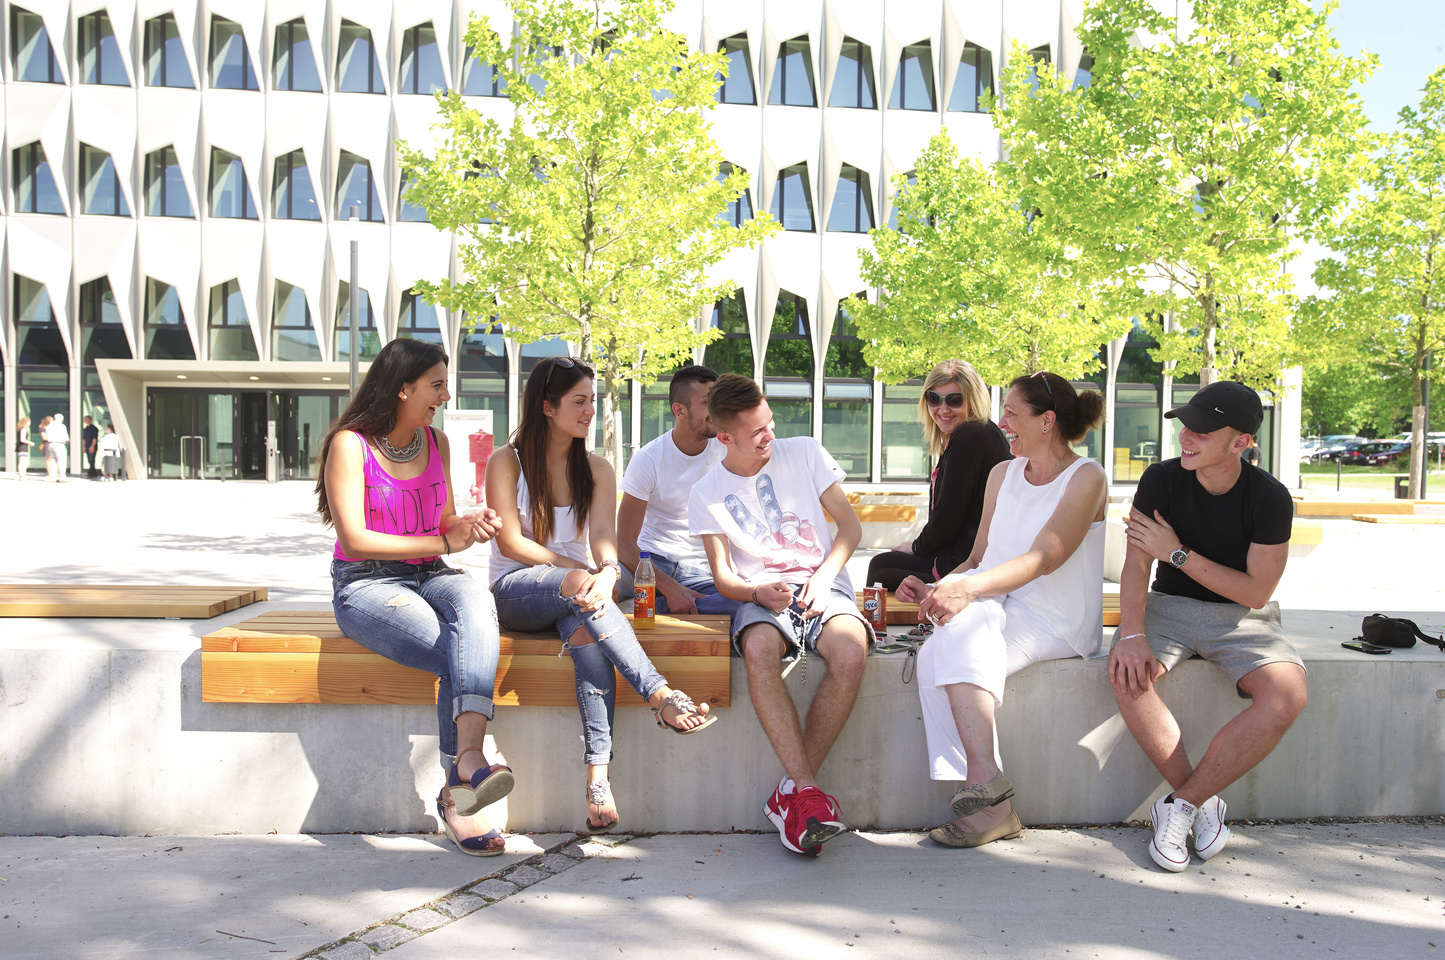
479 452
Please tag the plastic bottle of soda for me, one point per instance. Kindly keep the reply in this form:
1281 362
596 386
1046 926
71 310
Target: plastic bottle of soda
644 594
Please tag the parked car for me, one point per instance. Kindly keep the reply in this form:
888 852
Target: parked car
1370 454
1331 447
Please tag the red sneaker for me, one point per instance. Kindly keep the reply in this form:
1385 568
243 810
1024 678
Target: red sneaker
779 810
818 818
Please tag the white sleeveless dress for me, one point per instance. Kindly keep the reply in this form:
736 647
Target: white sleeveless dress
1053 617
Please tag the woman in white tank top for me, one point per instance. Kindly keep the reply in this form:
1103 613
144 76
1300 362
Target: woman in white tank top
1031 590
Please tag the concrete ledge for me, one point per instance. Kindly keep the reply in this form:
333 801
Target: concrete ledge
106 733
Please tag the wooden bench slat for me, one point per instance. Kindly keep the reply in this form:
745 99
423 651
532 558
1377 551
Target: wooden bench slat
192 601
222 642
539 681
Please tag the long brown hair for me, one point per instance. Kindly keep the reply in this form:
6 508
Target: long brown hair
550 381
372 412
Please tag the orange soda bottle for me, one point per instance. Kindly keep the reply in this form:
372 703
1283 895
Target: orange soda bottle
644 594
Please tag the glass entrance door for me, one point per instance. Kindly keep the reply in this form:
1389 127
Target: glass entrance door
169 417
251 437
305 418
189 434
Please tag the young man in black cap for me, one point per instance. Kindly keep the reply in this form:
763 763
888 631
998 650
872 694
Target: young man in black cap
1219 527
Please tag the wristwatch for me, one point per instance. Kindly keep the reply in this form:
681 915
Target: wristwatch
1178 557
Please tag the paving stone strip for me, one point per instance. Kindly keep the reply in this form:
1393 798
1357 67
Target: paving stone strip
392 932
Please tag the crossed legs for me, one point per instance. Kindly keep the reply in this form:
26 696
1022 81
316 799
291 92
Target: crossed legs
800 747
1279 692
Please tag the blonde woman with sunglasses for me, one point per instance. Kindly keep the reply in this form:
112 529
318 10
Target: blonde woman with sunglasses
953 409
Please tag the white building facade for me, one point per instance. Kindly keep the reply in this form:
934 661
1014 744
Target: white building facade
179 174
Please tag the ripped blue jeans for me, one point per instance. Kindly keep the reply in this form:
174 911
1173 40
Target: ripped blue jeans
428 616
530 600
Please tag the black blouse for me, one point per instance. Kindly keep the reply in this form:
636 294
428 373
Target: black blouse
955 498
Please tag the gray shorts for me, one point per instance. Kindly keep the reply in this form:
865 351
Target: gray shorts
798 632
1231 636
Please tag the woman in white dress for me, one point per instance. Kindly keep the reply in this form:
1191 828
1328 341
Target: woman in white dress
1031 590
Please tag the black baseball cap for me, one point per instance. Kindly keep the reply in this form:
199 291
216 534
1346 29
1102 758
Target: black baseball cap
1223 403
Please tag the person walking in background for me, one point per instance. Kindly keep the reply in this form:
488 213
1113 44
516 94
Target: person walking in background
50 473
558 509
1031 590
1219 527
655 490
954 411
382 483
110 453
89 441
760 514
60 447
23 443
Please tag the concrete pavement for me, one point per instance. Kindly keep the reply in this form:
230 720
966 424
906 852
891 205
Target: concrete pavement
1292 890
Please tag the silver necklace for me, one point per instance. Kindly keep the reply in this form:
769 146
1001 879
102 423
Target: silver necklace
401 454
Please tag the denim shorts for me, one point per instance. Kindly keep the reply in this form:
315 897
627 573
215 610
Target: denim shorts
798 632
693 574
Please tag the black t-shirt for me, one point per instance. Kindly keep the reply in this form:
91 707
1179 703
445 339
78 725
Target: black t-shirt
1257 509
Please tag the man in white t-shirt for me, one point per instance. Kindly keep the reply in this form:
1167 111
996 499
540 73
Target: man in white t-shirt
760 514
655 489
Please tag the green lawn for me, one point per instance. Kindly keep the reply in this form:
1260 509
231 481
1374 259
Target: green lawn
1321 476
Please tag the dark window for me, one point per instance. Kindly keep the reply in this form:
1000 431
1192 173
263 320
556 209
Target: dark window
848 399
354 187
165 188
35 326
793 74
482 372
741 209
31 56
35 190
166 64
845 350
421 62
737 86
98 52
853 80
482 79
788 367
1039 55
418 319
974 80
793 199
913 85
852 202
230 325
100 192
733 351
102 333
231 67
293 64
357 69
292 335
292 197
912 180
368 339
1085 74
540 54
166 334
230 188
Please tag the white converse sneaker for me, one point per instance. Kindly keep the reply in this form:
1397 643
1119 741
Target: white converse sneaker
1172 822
1210 833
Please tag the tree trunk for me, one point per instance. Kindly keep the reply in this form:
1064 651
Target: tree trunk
1209 370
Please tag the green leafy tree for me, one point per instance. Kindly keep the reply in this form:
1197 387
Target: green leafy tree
1385 286
1359 398
972 273
596 214
1190 159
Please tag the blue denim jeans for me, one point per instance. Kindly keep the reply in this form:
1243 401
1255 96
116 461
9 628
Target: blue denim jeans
428 616
530 600
693 574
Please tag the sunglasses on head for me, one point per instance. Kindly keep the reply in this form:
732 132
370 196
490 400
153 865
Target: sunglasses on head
933 398
556 362
1052 403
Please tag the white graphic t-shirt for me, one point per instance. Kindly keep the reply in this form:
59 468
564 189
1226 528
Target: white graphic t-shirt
774 522
664 476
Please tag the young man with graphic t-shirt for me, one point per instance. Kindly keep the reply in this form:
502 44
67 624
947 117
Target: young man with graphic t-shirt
655 491
1219 527
760 516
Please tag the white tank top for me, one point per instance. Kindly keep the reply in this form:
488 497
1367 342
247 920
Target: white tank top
1071 598
566 538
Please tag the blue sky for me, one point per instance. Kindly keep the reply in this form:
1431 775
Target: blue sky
1409 38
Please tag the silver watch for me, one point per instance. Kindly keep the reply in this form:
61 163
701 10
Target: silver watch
1178 557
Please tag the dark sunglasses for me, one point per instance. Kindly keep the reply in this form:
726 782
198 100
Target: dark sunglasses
1052 402
556 362
933 398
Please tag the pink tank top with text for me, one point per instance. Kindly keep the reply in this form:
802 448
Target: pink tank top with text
404 508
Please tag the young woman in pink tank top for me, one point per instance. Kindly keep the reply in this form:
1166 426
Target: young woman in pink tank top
382 484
